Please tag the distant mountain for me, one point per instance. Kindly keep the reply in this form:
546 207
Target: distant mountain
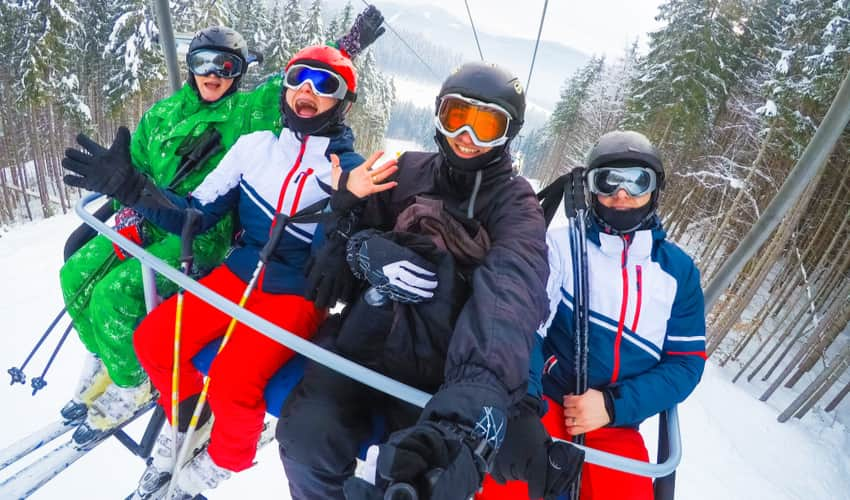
443 41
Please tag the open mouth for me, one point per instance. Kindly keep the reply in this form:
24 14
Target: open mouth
212 86
305 108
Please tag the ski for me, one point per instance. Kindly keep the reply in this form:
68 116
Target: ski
34 441
26 481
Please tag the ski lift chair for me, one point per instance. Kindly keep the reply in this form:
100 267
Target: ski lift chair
282 383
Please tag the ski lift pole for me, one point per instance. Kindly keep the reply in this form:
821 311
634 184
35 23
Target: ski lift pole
166 39
811 162
187 237
278 225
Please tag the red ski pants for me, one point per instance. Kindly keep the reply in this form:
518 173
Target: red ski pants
597 483
238 374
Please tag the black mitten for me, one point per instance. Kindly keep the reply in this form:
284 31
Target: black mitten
436 459
394 269
529 454
111 172
108 171
365 30
329 278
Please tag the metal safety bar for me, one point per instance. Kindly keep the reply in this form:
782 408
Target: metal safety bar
346 367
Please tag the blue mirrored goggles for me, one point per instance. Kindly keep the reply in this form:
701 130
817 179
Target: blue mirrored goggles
636 180
324 82
205 62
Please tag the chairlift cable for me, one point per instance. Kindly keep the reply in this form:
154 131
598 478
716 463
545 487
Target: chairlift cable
387 24
534 55
474 32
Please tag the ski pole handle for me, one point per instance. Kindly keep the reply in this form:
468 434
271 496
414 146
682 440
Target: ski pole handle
278 225
574 199
191 224
406 491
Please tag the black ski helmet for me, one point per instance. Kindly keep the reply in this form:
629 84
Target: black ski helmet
490 83
629 146
625 147
224 39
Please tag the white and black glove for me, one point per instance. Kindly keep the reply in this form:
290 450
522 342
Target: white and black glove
392 267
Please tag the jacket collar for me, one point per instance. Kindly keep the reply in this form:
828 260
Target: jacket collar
641 243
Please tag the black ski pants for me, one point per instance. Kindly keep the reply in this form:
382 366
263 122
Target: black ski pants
323 425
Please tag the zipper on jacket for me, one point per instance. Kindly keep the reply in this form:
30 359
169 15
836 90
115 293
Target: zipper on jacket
282 197
639 290
624 259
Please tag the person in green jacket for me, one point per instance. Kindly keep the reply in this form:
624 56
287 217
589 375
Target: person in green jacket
178 141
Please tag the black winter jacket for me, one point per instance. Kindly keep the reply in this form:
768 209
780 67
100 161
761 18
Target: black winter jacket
490 320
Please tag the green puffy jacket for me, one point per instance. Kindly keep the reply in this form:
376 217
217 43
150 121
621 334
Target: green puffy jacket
103 295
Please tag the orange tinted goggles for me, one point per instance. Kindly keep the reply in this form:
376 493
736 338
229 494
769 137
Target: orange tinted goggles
487 123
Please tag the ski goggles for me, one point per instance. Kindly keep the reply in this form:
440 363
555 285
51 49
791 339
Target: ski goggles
486 123
636 180
205 62
325 83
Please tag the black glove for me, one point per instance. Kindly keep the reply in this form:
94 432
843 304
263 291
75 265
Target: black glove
365 30
110 172
329 278
394 269
436 459
529 454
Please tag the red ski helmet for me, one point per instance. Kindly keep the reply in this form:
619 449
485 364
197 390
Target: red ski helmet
324 56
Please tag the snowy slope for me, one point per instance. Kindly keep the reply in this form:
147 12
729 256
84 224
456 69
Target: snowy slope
733 446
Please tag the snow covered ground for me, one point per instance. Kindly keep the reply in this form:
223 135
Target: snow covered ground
733 446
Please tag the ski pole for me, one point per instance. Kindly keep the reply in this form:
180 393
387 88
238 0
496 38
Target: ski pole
575 206
187 237
278 225
39 383
17 374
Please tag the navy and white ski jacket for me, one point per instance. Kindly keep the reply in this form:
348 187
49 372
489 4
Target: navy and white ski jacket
260 176
647 322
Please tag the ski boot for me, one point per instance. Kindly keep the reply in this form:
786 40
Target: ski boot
114 407
197 476
93 382
153 484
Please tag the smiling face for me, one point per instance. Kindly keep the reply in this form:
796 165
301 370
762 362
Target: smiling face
622 200
212 87
463 146
306 104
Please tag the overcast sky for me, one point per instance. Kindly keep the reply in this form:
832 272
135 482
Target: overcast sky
593 27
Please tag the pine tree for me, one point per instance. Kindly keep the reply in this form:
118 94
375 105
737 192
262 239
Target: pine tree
562 151
340 24
313 31
293 18
275 54
134 60
684 81
375 97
